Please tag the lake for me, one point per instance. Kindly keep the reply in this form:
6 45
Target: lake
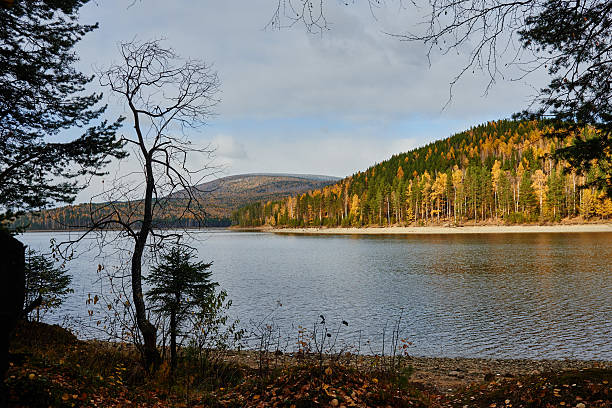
536 295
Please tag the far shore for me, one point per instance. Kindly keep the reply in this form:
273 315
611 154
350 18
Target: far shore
473 229
395 230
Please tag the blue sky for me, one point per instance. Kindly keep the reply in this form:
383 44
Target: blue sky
293 102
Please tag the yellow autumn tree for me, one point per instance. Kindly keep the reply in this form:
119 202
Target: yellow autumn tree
437 191
355 205
426 191
457 187
588 204
604 206
400 172
495 173
520 170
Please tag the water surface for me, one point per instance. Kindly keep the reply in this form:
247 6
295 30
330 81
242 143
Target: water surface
536 295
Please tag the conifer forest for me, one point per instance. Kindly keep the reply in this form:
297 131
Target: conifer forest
500 172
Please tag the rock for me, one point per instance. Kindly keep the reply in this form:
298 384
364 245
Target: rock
455 373
334 403
580 405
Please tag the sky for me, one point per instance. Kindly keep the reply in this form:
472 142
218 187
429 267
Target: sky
295 102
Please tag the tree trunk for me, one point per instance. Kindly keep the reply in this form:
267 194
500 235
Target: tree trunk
148 330
172 342
388 219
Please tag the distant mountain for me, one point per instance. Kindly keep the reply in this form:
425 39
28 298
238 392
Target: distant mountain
225 195
220 198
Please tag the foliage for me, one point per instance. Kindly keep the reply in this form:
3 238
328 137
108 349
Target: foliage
42 101
575 388
496 172
179 287
212 338
46 285
212 330
223 196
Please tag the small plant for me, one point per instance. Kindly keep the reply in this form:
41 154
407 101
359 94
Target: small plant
394 364
325 340
213 336
266 336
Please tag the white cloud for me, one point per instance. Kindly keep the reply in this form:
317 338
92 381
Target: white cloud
227 147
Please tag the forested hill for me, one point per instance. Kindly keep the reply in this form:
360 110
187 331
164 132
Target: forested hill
499 171
220 198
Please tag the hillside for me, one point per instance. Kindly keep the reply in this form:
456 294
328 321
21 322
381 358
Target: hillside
220 198
225 195
496 172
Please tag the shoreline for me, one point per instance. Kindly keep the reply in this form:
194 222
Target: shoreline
439 230
446 374
395 230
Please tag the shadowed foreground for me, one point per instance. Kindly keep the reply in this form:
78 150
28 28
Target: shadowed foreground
50 367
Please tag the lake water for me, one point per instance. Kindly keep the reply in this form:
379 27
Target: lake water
536 295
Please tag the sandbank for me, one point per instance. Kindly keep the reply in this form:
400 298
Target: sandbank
478 229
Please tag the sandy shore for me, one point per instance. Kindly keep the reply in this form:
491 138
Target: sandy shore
488 229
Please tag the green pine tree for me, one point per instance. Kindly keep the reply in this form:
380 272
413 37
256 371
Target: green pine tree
46 286
527 201
179 286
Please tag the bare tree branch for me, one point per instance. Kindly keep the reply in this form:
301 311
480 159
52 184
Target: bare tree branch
166 97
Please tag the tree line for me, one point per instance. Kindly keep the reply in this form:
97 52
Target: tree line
172 213
503 171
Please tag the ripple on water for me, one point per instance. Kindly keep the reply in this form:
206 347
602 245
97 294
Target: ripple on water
506 295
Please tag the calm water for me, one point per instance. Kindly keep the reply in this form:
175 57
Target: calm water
505 295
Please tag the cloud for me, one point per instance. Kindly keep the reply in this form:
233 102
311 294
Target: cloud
295 102
354 70
227 147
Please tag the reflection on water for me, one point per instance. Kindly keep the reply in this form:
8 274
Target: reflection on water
534 295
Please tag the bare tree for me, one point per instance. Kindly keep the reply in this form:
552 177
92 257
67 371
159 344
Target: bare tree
166 97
